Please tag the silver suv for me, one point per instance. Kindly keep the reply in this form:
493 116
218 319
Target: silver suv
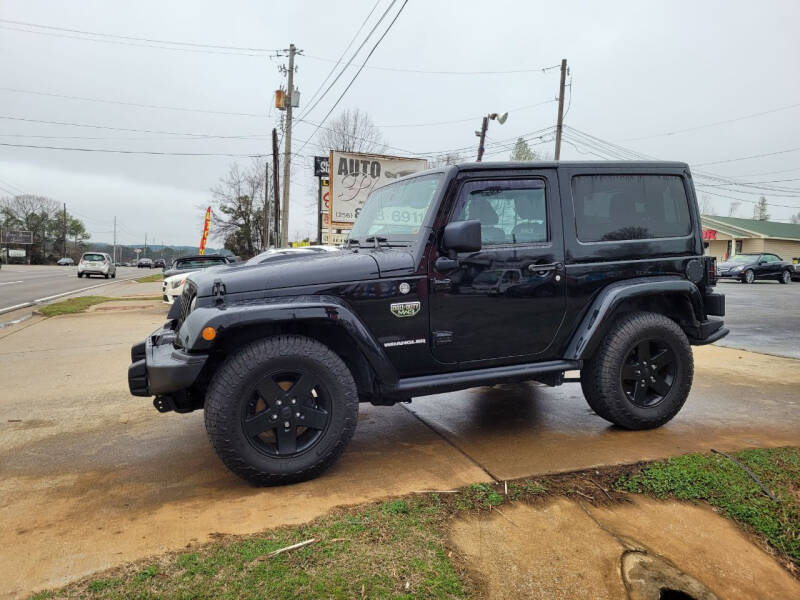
96 263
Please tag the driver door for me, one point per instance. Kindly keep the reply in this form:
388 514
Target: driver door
508 299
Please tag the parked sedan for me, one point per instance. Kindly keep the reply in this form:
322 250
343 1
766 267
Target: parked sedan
65 262
172 287
749 267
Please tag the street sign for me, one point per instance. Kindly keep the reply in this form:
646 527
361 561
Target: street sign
17 237
321 166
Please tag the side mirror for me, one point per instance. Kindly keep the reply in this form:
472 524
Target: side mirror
462 236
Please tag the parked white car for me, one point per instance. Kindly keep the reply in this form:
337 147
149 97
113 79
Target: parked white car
172 287
96 263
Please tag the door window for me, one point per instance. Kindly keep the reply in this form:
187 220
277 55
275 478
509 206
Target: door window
511 211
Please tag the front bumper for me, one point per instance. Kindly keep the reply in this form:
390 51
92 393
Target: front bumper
731 275
158 368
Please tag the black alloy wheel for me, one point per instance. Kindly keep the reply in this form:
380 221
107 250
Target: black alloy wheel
287 414
281 409
648 373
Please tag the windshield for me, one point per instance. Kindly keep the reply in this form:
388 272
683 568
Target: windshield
200 263
398 210
743 258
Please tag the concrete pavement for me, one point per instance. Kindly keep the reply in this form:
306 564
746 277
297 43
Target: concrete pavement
23 285
93 477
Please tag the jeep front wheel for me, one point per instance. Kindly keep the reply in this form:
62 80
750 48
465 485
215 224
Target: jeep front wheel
281 410
640 376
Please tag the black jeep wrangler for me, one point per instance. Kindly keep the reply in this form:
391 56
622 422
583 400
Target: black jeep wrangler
473 275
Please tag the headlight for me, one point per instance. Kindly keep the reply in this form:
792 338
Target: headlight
178 283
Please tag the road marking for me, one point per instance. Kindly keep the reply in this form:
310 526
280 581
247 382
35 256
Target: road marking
16 306
78 291
10 282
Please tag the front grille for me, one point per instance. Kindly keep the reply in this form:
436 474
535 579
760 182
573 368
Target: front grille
189 292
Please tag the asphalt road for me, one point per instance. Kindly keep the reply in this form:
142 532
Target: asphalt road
763 317
21 285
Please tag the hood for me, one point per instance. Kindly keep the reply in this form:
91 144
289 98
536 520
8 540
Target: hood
307 269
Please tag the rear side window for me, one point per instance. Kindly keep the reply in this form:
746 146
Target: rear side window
630 207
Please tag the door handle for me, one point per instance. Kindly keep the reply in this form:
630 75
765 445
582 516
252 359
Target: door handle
548 267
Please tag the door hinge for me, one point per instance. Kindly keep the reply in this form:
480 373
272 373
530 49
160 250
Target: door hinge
442 337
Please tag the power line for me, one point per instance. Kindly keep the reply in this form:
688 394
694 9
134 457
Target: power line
134 104
465 120
117 42
714 124
127 129
375 47
428 72
718 162
352 58
148 152
11 185
339 60
139 39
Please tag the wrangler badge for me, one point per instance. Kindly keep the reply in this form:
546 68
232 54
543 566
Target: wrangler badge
404 309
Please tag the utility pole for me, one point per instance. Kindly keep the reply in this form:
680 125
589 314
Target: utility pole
145 246
114 252
482 136
276 187
266 206
65 230
560 123
288 149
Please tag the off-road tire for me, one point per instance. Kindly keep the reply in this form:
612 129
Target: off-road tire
227 394
785 277
601 377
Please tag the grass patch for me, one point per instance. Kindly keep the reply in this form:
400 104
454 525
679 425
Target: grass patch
725 485
388 550
398 548
81 303
150 278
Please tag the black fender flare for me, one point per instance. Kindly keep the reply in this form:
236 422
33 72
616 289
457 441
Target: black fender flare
596 320
245 314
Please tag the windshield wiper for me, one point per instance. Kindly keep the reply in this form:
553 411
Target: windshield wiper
350 242
377 239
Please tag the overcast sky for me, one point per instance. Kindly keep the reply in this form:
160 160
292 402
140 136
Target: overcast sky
638 70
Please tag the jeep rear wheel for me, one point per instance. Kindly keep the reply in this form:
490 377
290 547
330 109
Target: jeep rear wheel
281 410
640 376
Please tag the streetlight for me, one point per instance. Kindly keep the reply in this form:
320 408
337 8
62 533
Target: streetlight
500 118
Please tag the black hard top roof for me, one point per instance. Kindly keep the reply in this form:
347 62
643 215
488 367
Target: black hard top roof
581 164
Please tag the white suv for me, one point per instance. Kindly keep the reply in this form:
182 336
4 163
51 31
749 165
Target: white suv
96 263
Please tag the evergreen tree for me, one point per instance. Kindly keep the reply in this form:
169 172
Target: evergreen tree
760 210
522 151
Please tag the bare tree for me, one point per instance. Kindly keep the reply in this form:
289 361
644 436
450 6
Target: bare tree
443 160
733 208
795 218
706 206
760 212
239 214
352 131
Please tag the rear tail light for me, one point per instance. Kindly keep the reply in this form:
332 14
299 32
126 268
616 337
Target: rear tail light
711 269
